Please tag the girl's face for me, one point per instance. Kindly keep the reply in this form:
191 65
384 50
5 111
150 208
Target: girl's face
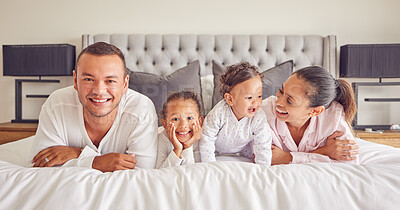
292 105
245 98
183 114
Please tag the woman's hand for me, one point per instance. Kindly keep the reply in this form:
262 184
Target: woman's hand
279 156
196 135
339 149
178 147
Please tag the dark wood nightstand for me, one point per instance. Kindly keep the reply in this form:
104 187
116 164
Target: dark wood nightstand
388 137
14 131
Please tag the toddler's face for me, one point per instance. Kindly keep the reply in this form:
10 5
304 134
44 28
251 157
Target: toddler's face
245 98
183 114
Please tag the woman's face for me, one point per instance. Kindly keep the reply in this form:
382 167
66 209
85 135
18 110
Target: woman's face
292 103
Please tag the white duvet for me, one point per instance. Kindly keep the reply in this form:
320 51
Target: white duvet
375 184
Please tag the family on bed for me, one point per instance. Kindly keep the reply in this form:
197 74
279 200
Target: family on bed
100 123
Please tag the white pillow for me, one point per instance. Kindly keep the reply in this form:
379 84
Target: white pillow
17 152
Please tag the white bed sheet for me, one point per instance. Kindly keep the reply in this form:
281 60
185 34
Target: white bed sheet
375 184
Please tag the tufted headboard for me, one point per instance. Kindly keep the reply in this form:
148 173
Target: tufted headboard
162 54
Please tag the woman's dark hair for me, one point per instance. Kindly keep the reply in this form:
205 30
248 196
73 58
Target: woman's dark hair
102 48
323 89
236 74
185 95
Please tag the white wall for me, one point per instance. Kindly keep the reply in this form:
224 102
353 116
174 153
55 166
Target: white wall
49 21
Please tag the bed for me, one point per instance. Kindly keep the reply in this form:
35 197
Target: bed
229 184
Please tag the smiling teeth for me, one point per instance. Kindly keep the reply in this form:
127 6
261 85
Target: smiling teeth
99 101
282 112
183 133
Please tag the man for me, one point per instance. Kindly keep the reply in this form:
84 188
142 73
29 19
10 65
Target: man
99 122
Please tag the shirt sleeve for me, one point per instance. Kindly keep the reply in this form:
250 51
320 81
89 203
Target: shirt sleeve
262 140
49 133
166 157
143 139
209 136
302 157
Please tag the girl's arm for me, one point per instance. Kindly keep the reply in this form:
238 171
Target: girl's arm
167 157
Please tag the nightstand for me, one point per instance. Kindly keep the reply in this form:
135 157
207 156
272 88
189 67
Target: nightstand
388 137
14 131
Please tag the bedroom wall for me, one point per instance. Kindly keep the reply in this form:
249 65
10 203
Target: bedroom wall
46 21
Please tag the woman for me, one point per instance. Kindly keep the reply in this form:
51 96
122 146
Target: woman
311 119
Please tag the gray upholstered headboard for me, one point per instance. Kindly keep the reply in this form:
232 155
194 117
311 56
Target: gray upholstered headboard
162 54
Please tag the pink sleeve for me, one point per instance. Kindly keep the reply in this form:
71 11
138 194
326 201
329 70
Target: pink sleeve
341 125
305 157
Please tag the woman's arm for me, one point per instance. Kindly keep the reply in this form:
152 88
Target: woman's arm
343 150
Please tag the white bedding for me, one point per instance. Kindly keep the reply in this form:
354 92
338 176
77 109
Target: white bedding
375 184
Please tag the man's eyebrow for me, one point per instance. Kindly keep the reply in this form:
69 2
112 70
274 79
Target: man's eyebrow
112 76
86 74
90 75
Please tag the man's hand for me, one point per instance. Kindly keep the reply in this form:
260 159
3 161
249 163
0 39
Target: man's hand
113 162
56 155
196 135
339 149
279 156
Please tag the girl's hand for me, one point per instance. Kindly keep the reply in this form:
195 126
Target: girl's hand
339 149
196 135
178 147
279 156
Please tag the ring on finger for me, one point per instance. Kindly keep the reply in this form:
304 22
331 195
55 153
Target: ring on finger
46 159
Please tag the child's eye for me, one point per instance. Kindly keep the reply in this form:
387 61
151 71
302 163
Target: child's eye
288 101
249 97
175 119
260 96
280 91
190 118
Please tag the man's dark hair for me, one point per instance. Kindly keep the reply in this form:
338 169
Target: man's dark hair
102 48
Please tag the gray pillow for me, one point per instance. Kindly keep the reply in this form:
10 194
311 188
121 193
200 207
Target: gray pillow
272 81
157 88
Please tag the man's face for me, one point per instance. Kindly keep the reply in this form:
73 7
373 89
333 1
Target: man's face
100 83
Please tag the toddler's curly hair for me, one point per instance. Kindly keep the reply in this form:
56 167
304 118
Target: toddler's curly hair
236 74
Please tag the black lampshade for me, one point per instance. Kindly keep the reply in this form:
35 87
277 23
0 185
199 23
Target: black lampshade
370 61
38 60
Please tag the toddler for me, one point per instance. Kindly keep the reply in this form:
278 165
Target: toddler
182 120
235 124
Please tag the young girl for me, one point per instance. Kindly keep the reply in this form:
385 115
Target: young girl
309 115
182 120
235 124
